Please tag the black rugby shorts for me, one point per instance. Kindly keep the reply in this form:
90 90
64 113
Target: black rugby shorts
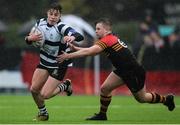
134 79
57 73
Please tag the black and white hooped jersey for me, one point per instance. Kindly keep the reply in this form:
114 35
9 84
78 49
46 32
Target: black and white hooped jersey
53 44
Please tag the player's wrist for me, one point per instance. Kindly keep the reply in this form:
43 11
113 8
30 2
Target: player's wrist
73 37
27 40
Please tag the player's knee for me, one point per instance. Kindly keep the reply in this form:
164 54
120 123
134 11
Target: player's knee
105 90
45 95
141 100
33 90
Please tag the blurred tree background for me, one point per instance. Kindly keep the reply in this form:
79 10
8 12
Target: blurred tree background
15 13
125 14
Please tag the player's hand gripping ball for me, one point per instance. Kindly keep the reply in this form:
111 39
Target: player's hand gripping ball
38 30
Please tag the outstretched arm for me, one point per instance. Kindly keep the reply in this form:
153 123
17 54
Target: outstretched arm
72 35
74 48
93 50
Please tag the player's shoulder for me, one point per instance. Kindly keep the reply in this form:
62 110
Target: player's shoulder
41 21
62 24
112 36
109 37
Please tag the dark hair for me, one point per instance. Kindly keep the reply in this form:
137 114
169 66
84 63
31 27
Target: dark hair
55 6
105 21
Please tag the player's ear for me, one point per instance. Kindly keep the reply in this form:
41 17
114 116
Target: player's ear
47 12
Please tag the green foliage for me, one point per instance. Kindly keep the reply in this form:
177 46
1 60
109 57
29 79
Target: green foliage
13 39
77 7
21 10
20 109
126 30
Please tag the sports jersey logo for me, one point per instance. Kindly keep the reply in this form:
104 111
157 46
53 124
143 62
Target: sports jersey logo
51 50
51 36
55 72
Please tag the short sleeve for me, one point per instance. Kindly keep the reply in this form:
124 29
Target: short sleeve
101 44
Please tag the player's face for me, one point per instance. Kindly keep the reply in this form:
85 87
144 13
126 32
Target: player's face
100 30
53 16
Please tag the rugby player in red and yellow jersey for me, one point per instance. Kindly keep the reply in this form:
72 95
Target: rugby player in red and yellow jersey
127 71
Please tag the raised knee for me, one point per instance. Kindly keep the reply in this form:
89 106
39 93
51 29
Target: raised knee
45 95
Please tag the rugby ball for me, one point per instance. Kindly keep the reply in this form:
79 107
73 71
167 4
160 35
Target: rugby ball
38 30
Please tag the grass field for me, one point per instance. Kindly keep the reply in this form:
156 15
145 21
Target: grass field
20 109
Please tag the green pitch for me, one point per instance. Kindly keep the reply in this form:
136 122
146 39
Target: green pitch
20 109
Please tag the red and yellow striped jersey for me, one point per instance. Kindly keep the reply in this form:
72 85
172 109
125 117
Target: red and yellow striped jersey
118 52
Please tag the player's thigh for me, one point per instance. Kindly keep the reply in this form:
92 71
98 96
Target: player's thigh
112 82
50 85
39 78
55 77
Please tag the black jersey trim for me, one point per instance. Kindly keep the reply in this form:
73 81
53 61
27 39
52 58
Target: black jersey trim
47 55
44 62
67 31
52 43
60 27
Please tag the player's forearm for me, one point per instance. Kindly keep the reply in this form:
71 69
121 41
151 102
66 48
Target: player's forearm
80 53
76 48
78 37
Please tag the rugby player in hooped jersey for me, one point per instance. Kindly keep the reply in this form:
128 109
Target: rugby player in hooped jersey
47 80
126 70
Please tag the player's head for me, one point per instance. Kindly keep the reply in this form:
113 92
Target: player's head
103 27
54 13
